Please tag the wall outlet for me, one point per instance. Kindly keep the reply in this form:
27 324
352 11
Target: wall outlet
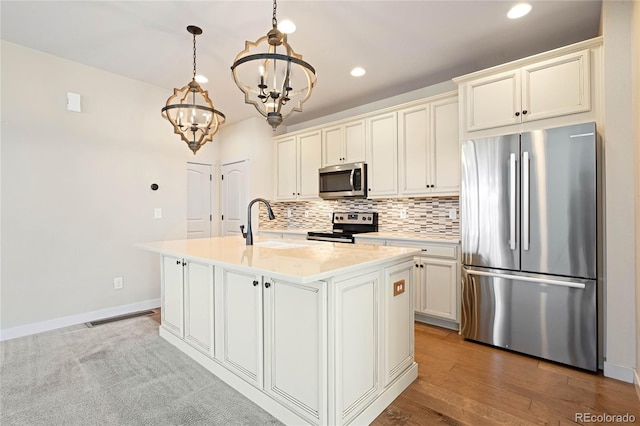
289 214
117 283
453 214
306 213
403 214
157 213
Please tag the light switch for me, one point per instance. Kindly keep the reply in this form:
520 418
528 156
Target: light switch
157 213
73 102
453 214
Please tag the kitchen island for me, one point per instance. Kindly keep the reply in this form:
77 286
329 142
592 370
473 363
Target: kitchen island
313 332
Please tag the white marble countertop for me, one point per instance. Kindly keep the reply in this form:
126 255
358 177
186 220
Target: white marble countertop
300 231
292 260
410 236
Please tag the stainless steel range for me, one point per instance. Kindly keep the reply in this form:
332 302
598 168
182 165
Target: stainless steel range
345 225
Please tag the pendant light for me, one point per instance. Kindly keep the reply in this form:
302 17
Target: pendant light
273 78
190 111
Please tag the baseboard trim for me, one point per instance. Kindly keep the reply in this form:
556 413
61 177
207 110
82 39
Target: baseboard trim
39 327
637 383
618 372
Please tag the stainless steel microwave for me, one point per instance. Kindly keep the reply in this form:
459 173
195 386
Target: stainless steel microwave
343 181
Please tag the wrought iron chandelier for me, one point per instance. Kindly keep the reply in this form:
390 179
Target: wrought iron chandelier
191 111
276 82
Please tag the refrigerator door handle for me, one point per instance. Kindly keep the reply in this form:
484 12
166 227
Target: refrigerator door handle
526 278
525 201
512 201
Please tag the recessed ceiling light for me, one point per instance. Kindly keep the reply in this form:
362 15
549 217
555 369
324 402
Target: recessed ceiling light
201 78
519 10
358 72
286 26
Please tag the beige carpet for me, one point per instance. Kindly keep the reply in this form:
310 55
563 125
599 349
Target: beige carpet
120 373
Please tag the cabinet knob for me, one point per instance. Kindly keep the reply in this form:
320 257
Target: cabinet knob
184 263
417 265
524 112
298 193
267 285
293 193
518 114
178 262
255 283
422 266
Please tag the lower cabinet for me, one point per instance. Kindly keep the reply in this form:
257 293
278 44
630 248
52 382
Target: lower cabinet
296 346
239 320
187 301
436 287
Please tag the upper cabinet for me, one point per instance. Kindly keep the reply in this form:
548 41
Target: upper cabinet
557 86
428 148
298 161
382 155
343 143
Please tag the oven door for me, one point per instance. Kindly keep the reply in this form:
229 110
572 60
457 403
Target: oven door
343 181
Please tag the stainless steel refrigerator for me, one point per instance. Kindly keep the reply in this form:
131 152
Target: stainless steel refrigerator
529 243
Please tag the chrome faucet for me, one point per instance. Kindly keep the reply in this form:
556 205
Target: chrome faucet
248 235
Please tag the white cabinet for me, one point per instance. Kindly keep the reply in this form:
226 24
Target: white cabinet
399 317
437 283
382 155
356 344
199 299
343 143
428 147
187 302
298 161
296 346
239 322
273 334
172 297
530 91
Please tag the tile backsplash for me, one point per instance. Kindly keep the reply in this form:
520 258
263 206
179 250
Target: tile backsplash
423 215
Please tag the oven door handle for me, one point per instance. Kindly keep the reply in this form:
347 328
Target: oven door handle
330 239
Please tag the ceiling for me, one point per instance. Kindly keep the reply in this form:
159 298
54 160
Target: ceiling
404 45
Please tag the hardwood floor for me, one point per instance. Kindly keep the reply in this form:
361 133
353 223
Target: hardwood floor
466 383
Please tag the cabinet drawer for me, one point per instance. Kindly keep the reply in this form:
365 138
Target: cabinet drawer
449 252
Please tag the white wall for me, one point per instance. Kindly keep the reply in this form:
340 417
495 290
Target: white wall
252 140
636 113
620 283
76 191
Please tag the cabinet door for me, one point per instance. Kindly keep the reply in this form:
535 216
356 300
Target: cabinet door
172 298
241 325
309 149
493 101
332 146
286 178
398 323
354 142
413 132
198 289
356 344
444 158
382 155
439 289
296 347
559 86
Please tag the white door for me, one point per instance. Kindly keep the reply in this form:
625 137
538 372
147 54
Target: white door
199 214
234 197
